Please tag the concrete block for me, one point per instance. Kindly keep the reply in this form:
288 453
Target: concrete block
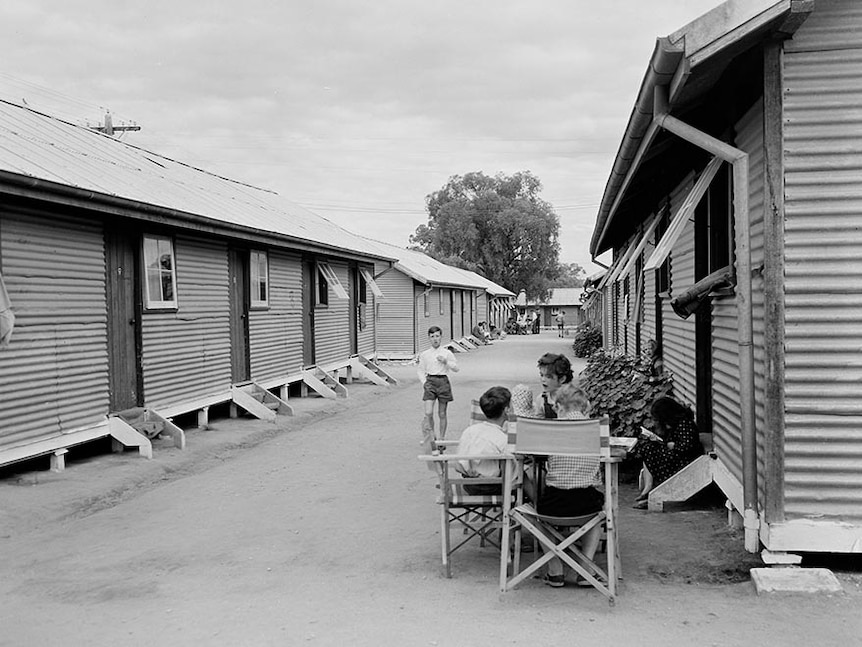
795 580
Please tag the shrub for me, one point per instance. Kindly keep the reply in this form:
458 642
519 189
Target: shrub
587 339
621 388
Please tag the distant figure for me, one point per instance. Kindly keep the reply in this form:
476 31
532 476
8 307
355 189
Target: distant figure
435 364
561 322
536 322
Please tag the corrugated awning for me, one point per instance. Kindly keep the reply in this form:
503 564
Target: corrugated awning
686 210
332 280
369 280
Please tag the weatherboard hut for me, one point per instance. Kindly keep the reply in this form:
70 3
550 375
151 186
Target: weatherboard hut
734 213
422 292
143 288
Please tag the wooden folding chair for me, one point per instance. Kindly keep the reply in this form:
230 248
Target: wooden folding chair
558 535
478 514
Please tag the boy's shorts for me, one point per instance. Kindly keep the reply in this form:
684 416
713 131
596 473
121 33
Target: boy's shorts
437 387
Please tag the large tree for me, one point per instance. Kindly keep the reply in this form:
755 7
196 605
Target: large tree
571 276
497 226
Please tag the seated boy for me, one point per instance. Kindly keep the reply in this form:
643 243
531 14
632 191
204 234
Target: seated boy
486 437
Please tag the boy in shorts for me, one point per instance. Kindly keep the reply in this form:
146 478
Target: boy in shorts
435 364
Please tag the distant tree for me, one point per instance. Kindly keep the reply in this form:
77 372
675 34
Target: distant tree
571 276
498 227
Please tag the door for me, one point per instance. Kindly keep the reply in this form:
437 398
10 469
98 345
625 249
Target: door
239 303
125 378
309 287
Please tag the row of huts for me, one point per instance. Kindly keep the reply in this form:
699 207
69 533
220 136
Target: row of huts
734 215
143 288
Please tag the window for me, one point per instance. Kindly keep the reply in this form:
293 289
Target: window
371 283
159 272
361 289
326 278
719 205
322 289
259 266
662 273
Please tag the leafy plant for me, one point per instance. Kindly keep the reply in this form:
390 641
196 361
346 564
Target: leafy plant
620 387
588 339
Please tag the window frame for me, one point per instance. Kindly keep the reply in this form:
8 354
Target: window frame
256 282
151 303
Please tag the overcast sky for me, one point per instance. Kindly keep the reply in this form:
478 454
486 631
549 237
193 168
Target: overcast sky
354 109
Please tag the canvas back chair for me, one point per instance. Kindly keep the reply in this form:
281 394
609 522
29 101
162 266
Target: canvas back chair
479 515
558 535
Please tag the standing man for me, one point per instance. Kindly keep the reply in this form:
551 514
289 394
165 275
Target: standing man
561 322
435 364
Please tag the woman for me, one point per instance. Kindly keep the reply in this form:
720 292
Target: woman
555 370
675 444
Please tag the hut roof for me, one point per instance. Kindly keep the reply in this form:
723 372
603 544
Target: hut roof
45 157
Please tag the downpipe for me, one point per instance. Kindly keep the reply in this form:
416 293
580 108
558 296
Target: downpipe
739 161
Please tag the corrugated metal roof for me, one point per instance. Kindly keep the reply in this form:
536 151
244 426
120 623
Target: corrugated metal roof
33 145
425 269
490 287
564 297
692 57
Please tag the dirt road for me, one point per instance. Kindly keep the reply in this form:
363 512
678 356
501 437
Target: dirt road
322 530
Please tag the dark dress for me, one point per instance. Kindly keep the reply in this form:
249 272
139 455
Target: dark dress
663 462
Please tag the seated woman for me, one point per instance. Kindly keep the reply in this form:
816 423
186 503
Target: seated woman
573 484
675 444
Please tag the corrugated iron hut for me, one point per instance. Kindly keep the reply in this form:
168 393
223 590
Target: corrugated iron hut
734 212
422 292
141 284
493 303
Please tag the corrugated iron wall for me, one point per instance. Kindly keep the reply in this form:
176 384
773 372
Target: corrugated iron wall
725 340
55 370
482 312
332 323
186 354
395 326
275 334
679 334
823 243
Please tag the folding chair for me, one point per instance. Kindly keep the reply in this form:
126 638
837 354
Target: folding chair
478 514
558 535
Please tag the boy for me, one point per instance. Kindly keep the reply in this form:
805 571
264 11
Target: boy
486 437
434 366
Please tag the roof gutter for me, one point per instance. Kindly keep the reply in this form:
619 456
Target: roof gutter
739 160
33 188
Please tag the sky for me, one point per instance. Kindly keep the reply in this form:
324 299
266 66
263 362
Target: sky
354 109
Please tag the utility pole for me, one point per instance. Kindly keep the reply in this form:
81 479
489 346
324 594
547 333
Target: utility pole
109 128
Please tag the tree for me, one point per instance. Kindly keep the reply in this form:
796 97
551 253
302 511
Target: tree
497 226
571 276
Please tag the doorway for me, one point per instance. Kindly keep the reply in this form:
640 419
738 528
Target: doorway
125 378
240 359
